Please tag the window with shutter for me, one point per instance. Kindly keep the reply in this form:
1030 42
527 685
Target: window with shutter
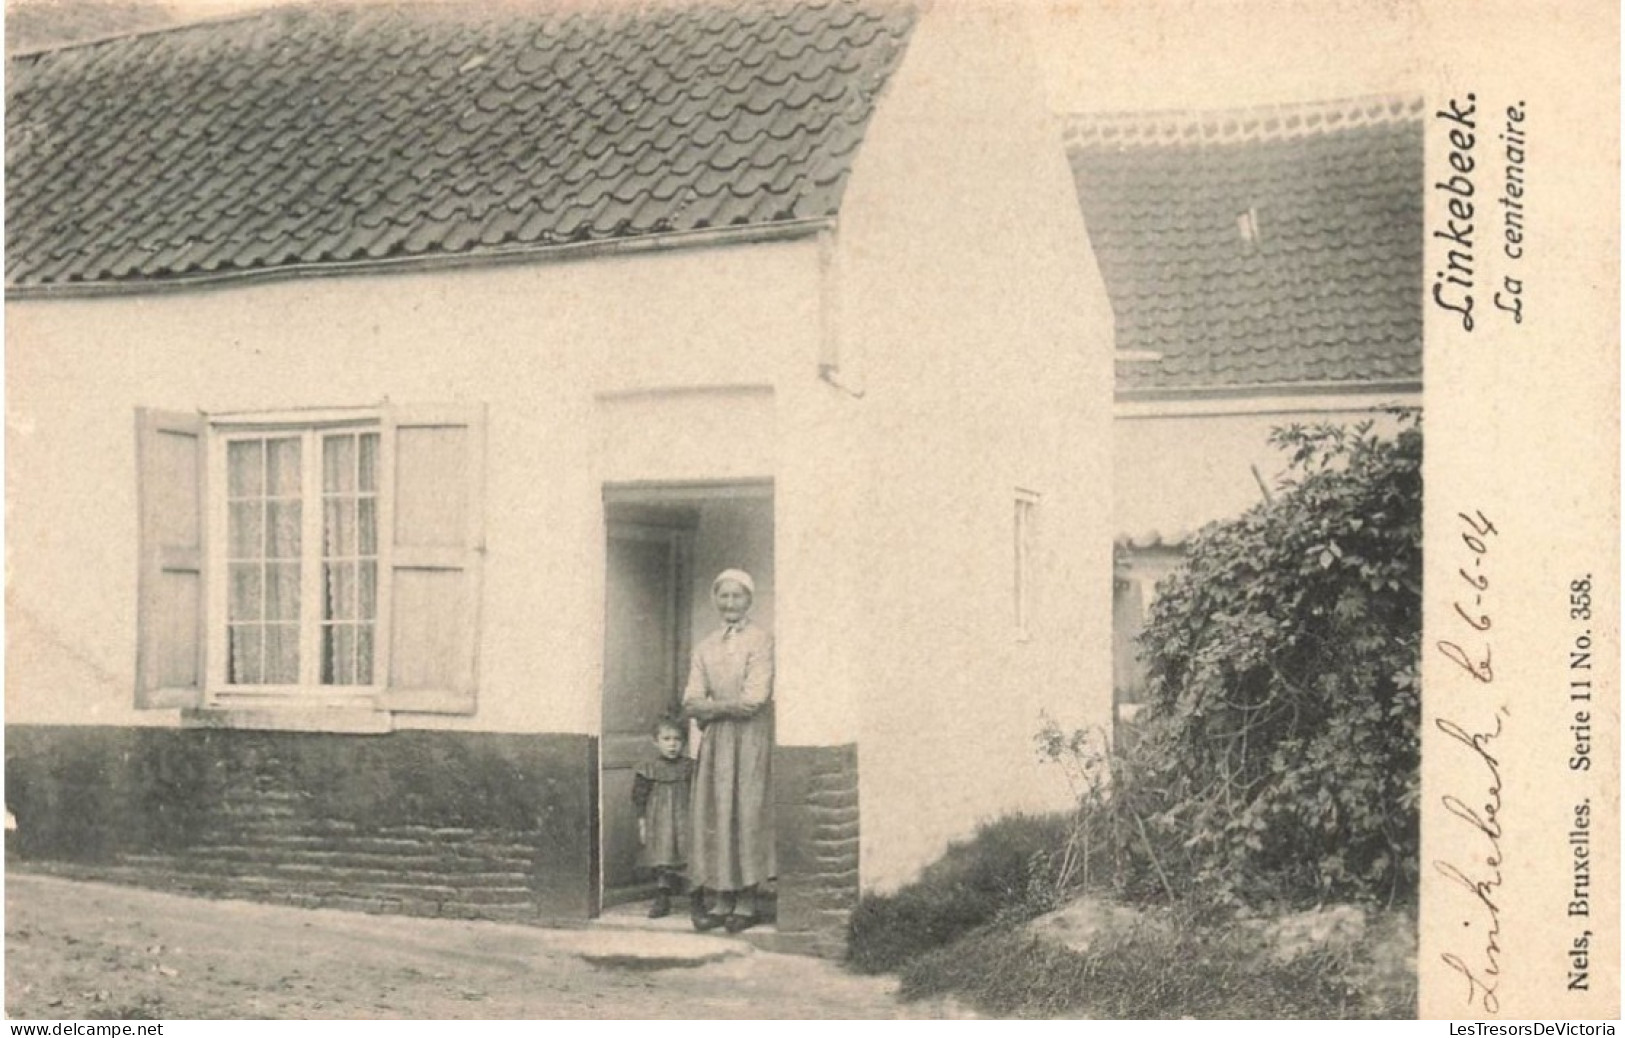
435 558
169 621
325 559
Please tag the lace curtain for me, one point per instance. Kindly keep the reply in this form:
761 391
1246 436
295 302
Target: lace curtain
268 561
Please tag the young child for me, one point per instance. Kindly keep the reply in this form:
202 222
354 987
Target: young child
660 791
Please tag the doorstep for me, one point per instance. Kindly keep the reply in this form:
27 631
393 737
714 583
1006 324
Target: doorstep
632 917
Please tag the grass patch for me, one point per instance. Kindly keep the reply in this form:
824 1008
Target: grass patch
977 881
1154 972
960 930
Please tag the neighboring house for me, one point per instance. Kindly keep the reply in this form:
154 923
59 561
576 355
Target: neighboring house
385 386
1265 268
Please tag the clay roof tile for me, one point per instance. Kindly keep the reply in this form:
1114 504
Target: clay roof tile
327 132
1290 236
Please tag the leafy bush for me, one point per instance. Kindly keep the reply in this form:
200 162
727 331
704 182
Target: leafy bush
977 881
1280 748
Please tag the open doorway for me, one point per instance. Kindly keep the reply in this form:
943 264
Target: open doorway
664 543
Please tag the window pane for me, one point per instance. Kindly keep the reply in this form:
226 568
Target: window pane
281 654
245 595
282 591
282 475
338 654
245 468
366 526
245 531
338 464
243 666
284 518
344 654
367 591
339 599
363 654
368 477
338 528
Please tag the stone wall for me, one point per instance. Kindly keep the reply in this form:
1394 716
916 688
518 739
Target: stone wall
465 825
816 792
451 824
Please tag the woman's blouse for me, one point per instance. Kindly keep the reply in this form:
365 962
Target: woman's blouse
733 667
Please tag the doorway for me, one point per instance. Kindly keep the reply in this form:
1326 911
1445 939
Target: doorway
663 545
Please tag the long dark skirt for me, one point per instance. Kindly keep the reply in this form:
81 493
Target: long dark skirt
731 845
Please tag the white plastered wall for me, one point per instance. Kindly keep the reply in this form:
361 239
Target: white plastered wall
970 303
678 335
1181 465
824 511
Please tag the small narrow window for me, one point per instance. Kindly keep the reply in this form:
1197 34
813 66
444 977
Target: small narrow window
1026 515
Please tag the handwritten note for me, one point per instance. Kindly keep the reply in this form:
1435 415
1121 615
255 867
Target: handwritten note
1477 871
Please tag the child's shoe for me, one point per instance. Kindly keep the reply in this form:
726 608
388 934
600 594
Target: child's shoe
662 906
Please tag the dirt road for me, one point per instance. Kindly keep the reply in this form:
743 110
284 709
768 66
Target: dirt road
87 950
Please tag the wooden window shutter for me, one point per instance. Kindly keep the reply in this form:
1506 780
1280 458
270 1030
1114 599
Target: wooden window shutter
169 589
437 545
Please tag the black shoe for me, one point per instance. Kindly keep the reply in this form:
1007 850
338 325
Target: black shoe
707 923
737 923
662 906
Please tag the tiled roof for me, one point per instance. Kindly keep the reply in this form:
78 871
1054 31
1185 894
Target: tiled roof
1267 247
329 134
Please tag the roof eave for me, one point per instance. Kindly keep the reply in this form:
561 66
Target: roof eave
1351 387
711 237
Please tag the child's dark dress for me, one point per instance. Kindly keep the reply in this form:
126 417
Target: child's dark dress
660 794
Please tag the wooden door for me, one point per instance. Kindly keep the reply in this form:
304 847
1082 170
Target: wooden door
645 650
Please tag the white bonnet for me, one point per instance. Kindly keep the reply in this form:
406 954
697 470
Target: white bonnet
738 576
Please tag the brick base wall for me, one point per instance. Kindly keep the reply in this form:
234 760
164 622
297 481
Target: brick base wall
465 825
816 793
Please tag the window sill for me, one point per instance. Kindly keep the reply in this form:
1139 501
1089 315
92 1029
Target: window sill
347 720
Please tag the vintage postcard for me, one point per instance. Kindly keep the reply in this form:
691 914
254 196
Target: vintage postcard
698 509
1521 710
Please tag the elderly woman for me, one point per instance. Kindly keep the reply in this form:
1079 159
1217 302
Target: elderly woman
729 695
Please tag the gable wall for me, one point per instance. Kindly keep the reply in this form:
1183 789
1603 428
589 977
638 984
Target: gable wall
974 318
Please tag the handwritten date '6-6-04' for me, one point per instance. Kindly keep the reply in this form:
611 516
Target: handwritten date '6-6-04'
1475 866
1474 658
